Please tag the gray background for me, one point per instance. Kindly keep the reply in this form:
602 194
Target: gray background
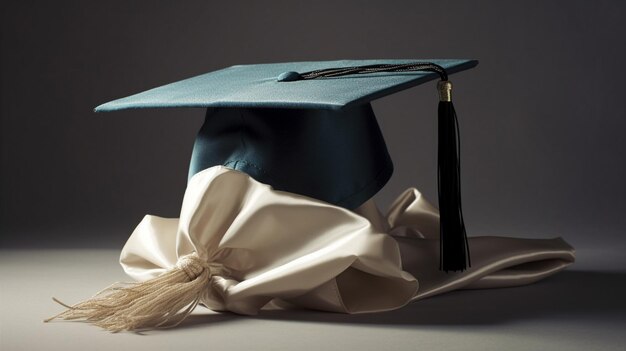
542 121
542 116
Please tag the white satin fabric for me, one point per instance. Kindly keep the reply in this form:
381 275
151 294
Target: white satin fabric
282 249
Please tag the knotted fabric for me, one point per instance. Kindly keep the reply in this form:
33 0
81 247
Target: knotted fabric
240 246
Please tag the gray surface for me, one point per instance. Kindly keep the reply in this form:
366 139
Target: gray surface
580 309
542 122
542 116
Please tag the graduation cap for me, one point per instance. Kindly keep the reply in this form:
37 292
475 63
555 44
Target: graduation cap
308 128
305 128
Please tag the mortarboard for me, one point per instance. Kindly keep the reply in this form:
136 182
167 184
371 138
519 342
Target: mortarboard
286 152
308 128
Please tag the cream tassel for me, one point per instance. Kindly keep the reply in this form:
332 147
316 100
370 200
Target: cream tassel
161 302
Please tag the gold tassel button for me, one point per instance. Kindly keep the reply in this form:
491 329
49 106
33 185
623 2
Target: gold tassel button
445 90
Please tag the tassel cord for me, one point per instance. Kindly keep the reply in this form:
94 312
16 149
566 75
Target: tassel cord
403 67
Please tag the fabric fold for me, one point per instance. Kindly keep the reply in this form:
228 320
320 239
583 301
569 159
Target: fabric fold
290 250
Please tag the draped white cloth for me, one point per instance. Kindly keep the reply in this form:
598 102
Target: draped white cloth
282 249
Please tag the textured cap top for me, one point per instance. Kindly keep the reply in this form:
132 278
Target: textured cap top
270 85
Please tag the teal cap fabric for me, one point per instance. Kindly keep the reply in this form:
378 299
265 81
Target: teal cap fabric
318 138
338 156
258 86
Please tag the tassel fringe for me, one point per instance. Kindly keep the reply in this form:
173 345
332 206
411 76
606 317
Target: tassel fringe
454 251
161 302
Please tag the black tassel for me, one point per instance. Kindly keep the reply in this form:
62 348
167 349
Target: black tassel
453 247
